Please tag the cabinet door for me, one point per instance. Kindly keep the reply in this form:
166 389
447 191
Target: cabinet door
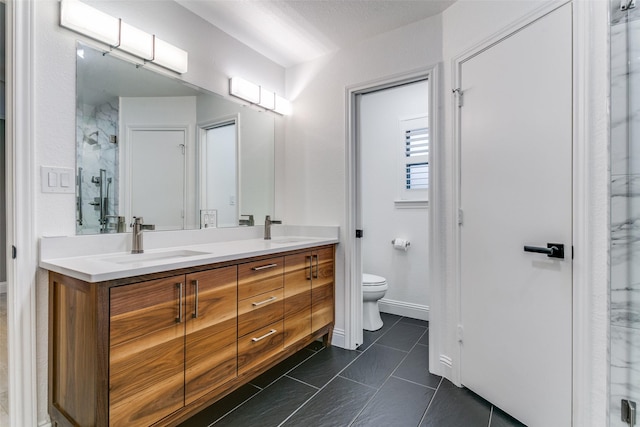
146 351
297 297
211 350
322 288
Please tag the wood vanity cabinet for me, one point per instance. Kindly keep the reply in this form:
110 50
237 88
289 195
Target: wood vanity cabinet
170 341
308 292
156 349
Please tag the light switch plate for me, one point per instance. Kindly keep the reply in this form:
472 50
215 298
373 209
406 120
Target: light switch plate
208 218
57 180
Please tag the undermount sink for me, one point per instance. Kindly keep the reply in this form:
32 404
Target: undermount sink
289 239
153 256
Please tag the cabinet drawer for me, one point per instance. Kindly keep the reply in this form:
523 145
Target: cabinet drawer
260 310
258 277
259 346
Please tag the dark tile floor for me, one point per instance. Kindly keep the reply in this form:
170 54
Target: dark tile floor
386 382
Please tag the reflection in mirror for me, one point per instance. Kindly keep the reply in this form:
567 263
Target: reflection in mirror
153 146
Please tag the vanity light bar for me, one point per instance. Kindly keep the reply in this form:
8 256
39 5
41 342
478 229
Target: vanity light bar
255 94
100 26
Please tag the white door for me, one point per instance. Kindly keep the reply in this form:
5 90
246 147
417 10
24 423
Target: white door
219 173
516 190
157 177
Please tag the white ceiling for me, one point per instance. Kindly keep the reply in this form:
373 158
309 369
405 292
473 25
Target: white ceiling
293 31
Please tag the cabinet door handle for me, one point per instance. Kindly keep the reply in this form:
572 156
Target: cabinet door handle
179 318
273 298
264 267
271 332
195 314
315 275
309 273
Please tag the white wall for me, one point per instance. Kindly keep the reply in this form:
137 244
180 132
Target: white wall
382 171
315 136
213 57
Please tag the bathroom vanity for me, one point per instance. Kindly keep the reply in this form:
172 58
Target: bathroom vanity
156 348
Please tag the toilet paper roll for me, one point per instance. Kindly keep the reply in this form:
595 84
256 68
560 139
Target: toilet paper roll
401 244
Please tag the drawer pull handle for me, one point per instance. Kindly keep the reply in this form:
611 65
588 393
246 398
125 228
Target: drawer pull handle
196 284
264 267
256 304
179 318
271 332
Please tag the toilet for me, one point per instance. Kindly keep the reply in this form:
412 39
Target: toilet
373 288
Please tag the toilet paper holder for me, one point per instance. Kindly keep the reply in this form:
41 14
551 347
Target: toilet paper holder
401 242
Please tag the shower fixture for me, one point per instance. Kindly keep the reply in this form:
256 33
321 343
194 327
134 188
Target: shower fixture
89 140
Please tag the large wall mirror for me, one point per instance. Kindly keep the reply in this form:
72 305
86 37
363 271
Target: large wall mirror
153 146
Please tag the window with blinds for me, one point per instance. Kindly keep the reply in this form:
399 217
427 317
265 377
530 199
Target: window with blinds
413 156
416 152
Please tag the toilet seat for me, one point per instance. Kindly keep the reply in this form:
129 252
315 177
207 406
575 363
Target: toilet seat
373 280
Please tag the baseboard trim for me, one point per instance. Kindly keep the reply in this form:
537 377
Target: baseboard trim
338 339
401 308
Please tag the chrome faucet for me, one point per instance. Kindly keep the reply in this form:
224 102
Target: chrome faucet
249 221
267 226
137 247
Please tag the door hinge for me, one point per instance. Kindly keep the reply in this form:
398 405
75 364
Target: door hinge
359 234
460 217
460 94
182 148
460 333
628 409
14 252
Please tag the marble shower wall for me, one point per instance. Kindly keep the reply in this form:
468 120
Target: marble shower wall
95 128
625 211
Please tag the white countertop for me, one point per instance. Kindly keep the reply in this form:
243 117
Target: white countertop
109 265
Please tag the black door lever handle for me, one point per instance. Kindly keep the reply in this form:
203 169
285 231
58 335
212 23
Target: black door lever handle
553 250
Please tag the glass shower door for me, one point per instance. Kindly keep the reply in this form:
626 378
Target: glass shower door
625 214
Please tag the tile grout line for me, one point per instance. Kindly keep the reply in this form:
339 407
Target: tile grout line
412 382
392 372
388 346
321 388
260 389
238 405
287 372
300 381
424 416
337 375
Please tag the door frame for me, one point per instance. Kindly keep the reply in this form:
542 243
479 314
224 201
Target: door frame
352 245
20 180
590 216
